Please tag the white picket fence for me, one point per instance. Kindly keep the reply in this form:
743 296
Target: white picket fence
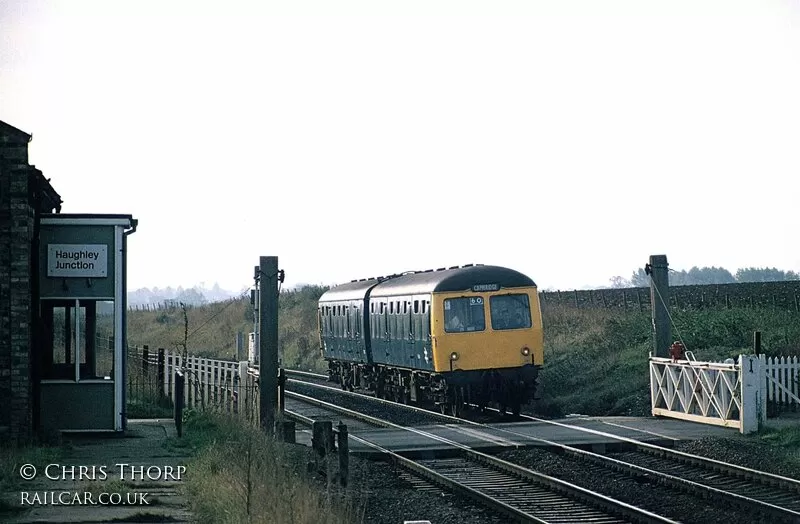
781 380
733 395
215 384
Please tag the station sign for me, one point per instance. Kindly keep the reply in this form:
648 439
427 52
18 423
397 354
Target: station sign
77 260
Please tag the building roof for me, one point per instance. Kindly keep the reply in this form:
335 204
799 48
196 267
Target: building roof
9 133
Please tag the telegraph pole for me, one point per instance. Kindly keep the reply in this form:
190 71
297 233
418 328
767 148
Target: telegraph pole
659 301
268 341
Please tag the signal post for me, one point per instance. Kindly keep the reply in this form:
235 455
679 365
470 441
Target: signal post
267 281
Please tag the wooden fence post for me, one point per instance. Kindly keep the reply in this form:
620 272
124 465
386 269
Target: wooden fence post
281 389
179 380
160 374
344 454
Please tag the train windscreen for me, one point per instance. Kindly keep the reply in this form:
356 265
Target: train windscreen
510 311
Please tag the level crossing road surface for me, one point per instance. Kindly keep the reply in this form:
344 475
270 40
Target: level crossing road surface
509 435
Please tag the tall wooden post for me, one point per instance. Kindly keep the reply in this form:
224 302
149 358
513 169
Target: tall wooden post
344 454
659 301
256 301
268 342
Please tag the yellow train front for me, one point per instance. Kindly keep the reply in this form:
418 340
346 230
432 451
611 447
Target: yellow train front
470 334
487 342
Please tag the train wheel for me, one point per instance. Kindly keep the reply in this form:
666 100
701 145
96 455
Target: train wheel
457 404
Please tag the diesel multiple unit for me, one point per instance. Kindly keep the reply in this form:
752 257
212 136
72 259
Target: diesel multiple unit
470 334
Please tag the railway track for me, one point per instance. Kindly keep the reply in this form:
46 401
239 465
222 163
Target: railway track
770 495
746 488
512 490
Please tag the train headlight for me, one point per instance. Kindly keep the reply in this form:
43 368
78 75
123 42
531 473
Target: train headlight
526 351
453 356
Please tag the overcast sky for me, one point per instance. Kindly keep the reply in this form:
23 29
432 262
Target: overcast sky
568 140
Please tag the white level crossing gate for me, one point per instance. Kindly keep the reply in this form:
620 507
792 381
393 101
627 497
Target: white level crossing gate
723 394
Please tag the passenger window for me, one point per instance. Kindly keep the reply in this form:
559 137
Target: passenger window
416 307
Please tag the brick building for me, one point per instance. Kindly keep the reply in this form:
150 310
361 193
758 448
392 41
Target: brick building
24 195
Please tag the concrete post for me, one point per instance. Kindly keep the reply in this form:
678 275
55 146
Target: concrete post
659 301
268 341
752 402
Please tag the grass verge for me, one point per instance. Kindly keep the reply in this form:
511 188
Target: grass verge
241 475
12 458
787 438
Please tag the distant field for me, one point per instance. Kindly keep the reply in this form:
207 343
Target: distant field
782 295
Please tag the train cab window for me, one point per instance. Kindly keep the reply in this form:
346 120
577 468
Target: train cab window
510 311
464 314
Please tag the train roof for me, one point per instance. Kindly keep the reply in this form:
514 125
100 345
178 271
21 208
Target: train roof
355 290
430 281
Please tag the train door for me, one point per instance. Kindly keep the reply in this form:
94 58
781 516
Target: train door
356 323
415 337
387 331
406 334
349 343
